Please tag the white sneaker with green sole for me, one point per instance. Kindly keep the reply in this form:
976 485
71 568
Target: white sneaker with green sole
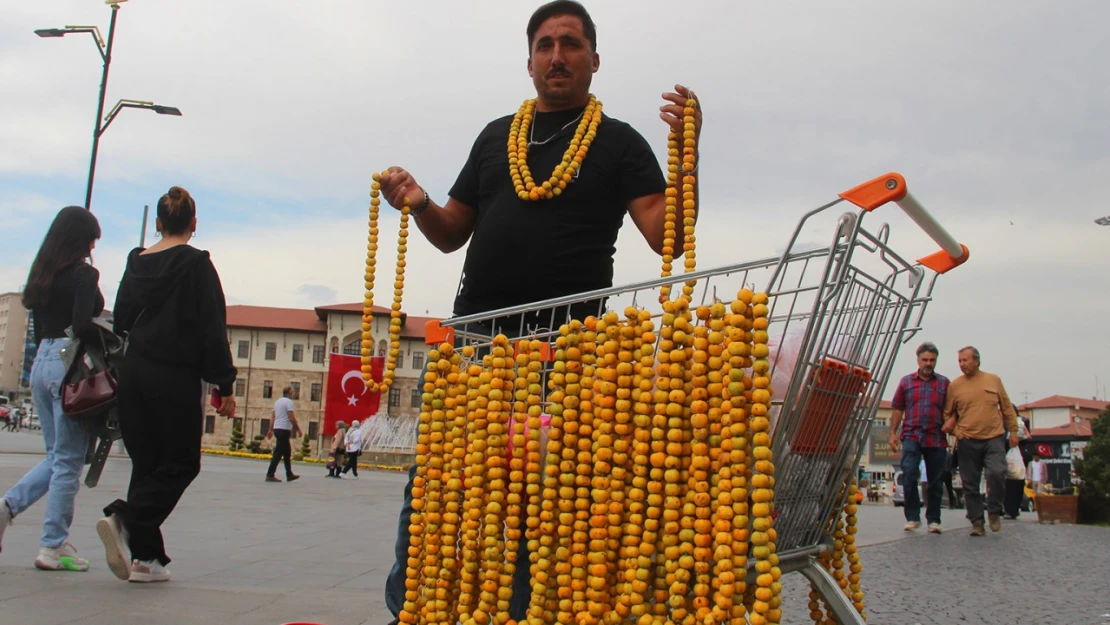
62 558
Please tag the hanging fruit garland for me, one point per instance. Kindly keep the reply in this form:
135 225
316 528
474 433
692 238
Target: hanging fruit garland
523 182
686 165
379 386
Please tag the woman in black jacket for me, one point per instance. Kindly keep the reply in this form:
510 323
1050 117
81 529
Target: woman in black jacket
62 292
171 307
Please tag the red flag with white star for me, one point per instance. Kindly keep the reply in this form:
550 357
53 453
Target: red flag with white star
348 398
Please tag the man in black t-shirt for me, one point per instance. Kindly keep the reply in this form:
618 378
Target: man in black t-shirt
524 251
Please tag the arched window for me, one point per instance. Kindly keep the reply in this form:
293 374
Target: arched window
335 344
354 348
383 348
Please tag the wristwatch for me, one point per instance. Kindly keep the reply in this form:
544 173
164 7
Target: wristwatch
416 210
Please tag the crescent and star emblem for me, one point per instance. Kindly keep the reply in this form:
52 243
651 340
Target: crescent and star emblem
352 400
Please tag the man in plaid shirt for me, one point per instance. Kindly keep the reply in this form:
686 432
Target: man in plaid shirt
919 398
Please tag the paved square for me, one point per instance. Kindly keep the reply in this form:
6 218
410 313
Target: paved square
246 552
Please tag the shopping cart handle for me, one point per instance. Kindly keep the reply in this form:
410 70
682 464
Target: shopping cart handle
891 187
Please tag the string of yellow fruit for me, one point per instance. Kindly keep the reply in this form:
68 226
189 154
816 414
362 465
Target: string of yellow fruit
523 182
854 566
602 397
767 595
474 502
454 451
683 162
582 386
379 386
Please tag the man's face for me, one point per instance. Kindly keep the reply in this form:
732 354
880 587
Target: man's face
562 62
926 363
968 364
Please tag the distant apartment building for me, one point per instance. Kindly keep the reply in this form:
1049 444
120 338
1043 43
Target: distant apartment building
13 336
278 347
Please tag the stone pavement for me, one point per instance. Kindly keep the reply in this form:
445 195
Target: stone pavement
318 550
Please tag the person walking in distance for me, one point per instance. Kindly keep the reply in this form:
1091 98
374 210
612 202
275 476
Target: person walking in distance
979 412
353 441
284 421
62 292
1037 477
916 423
579 218
171 308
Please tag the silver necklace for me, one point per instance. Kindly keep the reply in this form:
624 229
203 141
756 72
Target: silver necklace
532 130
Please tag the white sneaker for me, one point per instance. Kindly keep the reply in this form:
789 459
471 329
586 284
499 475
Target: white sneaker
62 558
146 572
912 526
5 520
114 537
934 528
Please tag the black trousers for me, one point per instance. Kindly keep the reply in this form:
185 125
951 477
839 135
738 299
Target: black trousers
283 451
352 462
1015 492
162 421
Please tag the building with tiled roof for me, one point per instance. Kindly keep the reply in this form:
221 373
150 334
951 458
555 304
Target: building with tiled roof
273 347
1059 410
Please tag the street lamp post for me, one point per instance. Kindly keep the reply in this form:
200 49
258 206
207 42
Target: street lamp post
98 130
105 54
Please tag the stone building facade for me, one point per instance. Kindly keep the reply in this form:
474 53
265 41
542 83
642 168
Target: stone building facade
278 347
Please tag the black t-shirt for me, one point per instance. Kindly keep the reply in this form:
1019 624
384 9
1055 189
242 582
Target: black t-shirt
74 301
525 251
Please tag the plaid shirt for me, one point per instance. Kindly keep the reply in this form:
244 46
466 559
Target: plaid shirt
922 404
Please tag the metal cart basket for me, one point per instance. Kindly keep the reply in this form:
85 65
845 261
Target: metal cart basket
838 314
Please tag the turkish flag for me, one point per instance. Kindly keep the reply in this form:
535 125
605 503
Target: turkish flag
348 397
1044 450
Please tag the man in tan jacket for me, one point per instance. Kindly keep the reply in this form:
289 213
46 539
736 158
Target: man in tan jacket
979 413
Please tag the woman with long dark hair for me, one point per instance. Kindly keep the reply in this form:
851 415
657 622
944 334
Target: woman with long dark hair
62 292
171 308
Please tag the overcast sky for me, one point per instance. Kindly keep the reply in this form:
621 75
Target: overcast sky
995 113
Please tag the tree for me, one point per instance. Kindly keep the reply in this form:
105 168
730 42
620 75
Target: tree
236 441
1094 473
255 446
305 450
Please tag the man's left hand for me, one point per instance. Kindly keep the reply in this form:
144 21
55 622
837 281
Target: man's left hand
1013 440
672 113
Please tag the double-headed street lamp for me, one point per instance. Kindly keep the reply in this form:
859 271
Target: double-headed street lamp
106 54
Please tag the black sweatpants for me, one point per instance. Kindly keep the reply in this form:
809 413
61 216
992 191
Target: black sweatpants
1015 492
282 451
162 421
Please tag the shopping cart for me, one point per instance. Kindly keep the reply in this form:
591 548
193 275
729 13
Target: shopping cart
839 313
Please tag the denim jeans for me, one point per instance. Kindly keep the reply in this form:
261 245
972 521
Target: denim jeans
66 440
912 452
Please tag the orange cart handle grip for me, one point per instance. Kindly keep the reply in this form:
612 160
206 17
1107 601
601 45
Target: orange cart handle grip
891 187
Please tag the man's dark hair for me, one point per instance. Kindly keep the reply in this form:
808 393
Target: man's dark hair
559 8
927 347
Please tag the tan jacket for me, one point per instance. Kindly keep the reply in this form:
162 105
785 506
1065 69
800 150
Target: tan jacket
981 407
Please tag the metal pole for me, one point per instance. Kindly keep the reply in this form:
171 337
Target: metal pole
100 106
142 235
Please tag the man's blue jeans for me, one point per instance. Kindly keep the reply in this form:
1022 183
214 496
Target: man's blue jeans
912 452
66 440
